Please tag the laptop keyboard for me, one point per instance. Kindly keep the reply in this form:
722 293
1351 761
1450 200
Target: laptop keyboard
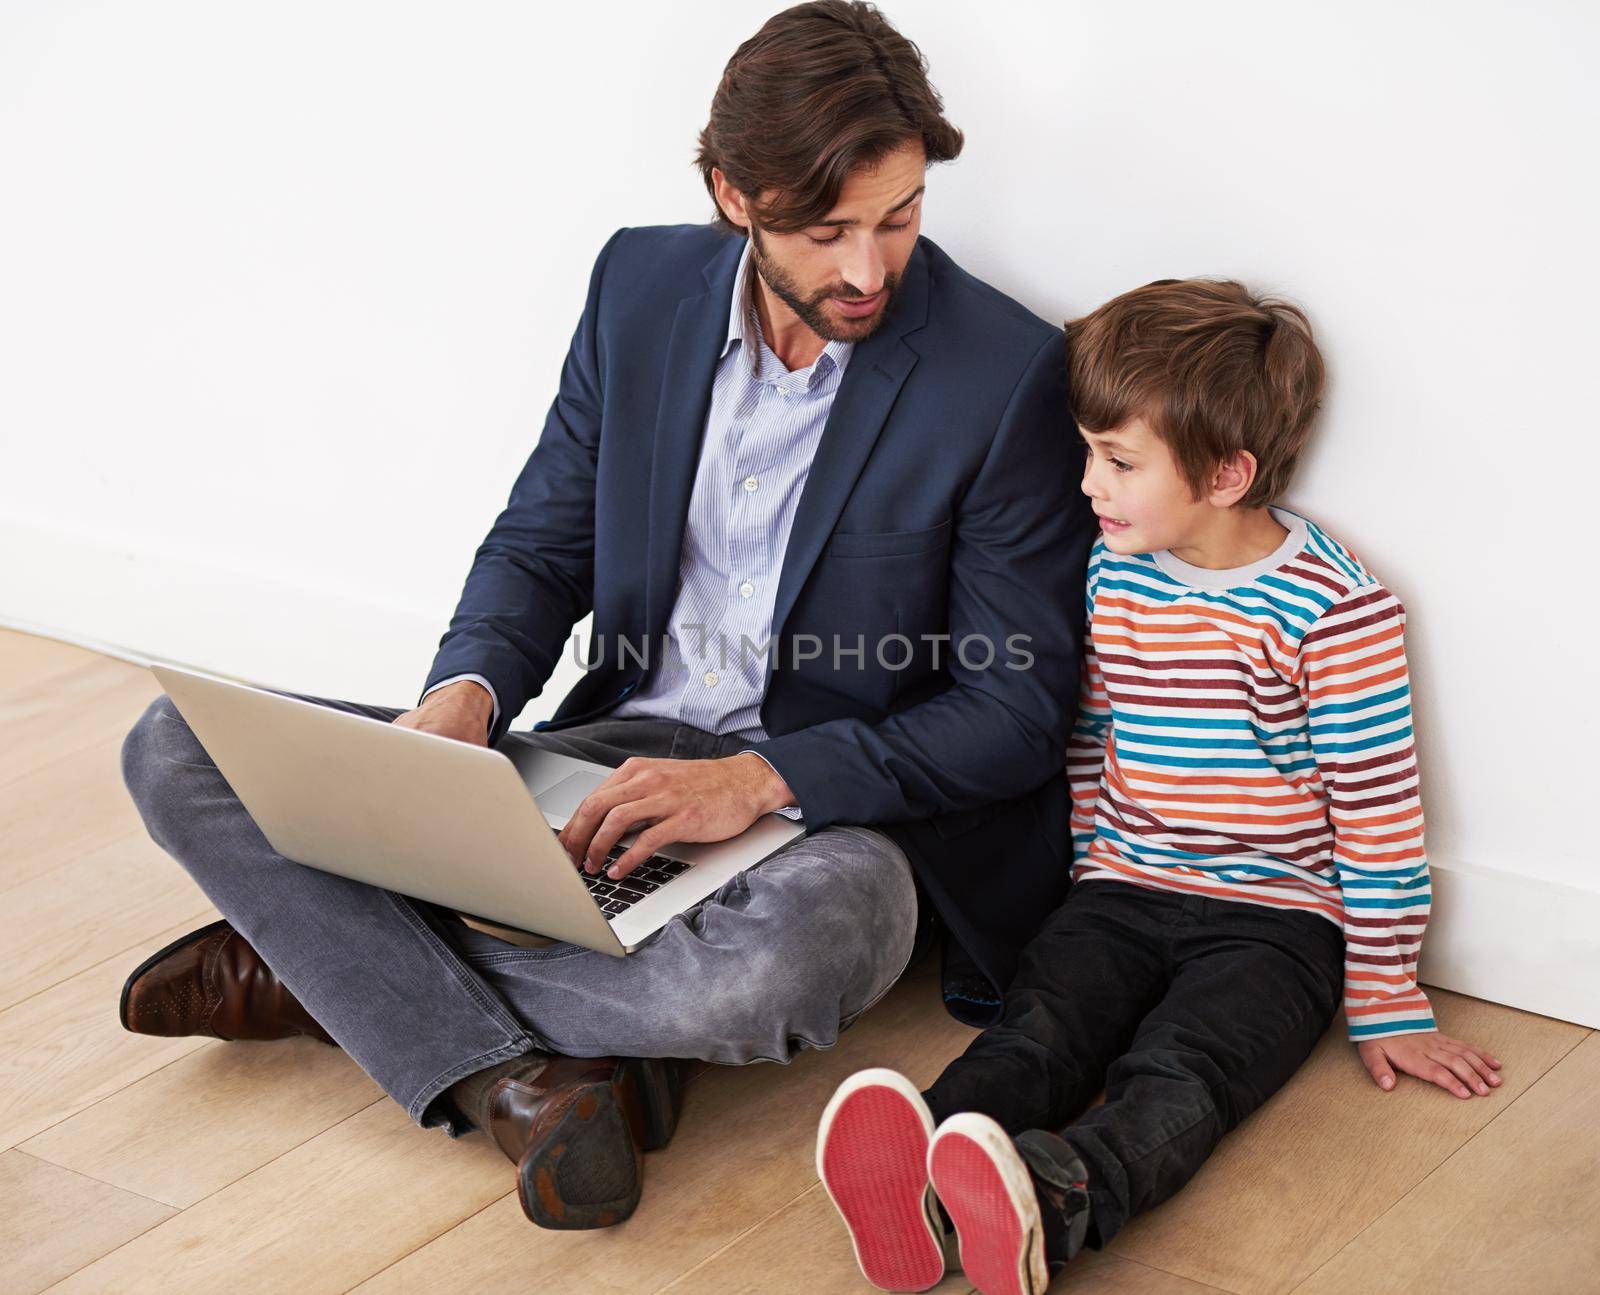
618 896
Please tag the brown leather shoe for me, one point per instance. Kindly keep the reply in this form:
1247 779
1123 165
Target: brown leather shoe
212 982
577 1131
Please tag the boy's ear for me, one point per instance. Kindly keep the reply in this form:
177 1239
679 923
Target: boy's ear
1232 479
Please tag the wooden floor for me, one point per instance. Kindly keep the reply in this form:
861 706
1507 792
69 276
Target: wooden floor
141 1164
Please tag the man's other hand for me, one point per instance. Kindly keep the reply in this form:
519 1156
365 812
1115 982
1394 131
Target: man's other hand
460 710
671 800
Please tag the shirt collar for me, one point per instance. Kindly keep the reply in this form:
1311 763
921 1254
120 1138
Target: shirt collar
742 326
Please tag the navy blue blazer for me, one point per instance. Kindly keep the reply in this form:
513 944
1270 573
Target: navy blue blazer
943 501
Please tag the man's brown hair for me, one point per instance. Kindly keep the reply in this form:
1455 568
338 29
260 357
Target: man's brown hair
1210 367
822 89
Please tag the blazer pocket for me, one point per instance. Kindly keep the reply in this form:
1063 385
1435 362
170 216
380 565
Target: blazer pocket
887 544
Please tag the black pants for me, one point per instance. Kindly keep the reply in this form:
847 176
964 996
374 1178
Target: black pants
1190 1011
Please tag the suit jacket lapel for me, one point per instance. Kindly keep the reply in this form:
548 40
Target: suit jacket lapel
699 331
878 369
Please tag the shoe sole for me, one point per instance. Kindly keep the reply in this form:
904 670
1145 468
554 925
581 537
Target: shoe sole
179 943
987 1191
586 1172
872 1149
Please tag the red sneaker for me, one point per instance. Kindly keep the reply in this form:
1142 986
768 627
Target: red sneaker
872 1156
985 1188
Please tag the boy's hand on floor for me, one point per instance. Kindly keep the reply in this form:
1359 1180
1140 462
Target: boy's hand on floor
1455 1066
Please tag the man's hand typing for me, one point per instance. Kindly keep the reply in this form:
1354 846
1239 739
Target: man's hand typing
671 800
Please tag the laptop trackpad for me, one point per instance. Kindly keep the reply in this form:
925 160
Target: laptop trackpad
564 798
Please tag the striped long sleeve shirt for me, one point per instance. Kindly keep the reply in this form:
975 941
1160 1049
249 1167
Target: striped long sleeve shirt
1247 735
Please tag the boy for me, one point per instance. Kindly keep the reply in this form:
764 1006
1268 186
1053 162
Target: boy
1246 821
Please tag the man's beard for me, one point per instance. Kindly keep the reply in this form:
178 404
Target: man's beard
812 310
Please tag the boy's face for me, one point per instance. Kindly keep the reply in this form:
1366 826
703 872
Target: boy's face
1143 501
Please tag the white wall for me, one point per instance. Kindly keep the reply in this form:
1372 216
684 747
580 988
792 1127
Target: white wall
284 291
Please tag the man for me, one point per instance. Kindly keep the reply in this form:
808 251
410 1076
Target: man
805 429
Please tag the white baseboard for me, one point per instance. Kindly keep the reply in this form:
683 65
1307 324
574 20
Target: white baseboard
1496 935
1523 941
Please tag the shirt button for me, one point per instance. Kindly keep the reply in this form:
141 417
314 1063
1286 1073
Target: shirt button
711 678
750 483
746 589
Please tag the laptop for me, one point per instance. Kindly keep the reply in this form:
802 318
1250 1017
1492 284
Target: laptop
467 827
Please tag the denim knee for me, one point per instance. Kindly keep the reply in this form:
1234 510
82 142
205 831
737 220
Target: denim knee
161 732
827 929
768 1013
857 935
159 744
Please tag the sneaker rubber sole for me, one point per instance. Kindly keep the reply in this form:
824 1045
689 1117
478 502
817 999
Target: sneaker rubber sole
872 1157
985 1187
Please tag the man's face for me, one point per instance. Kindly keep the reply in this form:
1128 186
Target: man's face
839 275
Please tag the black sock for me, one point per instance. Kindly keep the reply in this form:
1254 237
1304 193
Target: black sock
470 1095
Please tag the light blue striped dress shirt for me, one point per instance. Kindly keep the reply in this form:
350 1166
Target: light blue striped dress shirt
762 432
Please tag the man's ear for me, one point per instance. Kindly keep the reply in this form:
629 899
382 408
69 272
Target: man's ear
1232 479
730 199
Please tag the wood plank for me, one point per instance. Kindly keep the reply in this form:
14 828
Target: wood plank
66 921
63 809
745 1147
804 1247
1107 1274
56 1221
64 1049
1330 1153
29 659
318 1219
209 1118
1513 1210
72 711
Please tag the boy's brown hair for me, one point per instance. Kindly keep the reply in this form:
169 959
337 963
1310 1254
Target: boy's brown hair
822 89
1211 368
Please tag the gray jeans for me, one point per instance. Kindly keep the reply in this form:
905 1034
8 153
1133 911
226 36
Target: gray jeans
783 957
